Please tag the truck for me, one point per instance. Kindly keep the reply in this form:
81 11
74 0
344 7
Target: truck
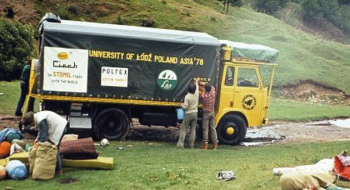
102 76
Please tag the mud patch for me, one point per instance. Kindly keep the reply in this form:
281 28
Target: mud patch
67 180
313 92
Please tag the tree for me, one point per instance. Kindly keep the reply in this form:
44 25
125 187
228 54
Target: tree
16 47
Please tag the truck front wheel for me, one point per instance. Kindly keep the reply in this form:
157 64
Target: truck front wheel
231 130
112 124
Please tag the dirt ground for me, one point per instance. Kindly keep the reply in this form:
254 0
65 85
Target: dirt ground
309 131
288 131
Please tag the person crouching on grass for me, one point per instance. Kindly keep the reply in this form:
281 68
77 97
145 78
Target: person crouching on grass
208 100
51 128
190 106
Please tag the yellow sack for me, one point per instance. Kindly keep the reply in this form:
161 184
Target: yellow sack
45 161
31 159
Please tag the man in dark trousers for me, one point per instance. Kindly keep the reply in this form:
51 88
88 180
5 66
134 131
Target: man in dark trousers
24 90
208 125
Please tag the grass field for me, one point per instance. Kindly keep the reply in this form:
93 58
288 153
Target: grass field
290 110
153 165
10 96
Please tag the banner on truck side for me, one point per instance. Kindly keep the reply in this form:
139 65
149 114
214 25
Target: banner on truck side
65 69
114 76
105 60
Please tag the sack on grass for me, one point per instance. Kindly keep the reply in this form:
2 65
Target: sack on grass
45 162
4 149
31 159
16 170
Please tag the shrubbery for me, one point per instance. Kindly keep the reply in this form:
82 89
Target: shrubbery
269 6
16 47
336 12
236 3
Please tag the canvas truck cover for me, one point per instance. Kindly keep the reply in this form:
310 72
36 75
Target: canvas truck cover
252 51
86 59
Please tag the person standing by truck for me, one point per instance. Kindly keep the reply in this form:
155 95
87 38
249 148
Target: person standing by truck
208 124
190 106
24 90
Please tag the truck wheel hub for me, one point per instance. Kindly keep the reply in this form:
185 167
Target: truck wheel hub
111 125
230 130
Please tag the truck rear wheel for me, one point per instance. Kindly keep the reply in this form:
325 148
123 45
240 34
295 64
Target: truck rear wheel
112 124
231 130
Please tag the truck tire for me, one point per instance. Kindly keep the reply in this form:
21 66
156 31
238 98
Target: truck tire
231 130
112 124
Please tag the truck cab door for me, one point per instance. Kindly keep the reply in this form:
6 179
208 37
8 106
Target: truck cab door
249 93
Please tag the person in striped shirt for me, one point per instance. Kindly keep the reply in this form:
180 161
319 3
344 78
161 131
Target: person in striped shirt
208 124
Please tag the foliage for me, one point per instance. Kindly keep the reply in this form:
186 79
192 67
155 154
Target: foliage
119 20
237 3
269 6
16 47
329 9
63 13
344 2
73 9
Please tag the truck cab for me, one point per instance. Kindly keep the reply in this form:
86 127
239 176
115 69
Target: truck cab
243 98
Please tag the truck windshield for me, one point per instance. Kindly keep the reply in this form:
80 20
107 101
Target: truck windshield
247 77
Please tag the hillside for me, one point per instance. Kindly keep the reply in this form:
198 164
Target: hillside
303 56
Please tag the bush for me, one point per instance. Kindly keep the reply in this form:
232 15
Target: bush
331 10
16 47
314 9
119 20
344 2
269 6
237 3
73 9
63 13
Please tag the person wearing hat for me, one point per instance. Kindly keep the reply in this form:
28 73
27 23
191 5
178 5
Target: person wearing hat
51 127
